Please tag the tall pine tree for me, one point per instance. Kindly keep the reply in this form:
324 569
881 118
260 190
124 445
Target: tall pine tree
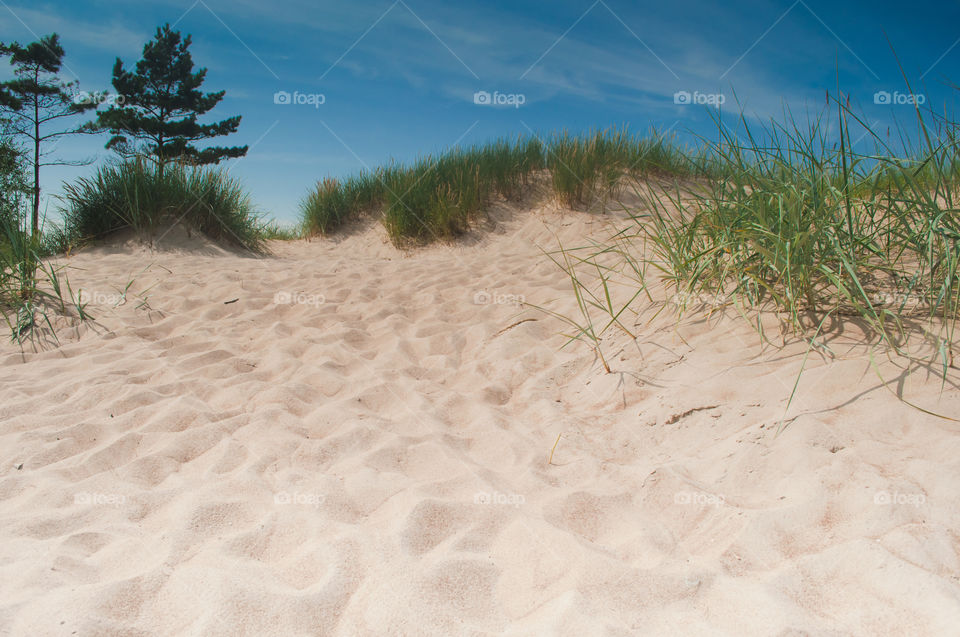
157 106
35 100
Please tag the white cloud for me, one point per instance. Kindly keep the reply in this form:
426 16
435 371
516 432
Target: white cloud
29 24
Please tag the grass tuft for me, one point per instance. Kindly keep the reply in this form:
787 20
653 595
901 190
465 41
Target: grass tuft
135 194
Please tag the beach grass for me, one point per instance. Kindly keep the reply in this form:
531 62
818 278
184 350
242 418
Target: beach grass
438 197
588 169
434 197
135 194
31 288
802 224
275 231
793 222
332 203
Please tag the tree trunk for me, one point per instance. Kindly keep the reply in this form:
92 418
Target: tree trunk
160 158
35 217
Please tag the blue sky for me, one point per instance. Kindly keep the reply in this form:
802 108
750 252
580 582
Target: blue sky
398 79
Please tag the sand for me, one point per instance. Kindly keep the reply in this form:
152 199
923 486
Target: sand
349 439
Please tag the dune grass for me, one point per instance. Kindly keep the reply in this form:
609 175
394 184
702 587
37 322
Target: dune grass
796 222
275 231
805 225
31 289
333 203
135 194
438 197
589 169
435 197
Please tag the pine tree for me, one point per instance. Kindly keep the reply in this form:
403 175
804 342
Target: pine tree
158 105
34 100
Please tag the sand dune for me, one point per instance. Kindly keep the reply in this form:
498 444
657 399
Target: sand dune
347 439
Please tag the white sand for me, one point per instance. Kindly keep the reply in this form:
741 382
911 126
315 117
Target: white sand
376 463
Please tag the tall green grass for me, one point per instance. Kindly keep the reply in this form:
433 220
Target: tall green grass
31 289
332 203
135 194
804 223
438 197
797 222
433 198
589 169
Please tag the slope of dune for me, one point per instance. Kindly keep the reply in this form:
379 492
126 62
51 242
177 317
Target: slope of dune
344 438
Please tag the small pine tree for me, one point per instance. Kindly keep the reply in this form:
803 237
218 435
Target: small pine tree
158 105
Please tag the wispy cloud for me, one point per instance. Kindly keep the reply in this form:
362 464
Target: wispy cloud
31 22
